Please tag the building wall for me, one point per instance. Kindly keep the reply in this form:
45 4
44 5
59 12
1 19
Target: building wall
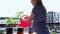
53 17
3 21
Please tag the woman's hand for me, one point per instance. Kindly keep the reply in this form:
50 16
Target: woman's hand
29 19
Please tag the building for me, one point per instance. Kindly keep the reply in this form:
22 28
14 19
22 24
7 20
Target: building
53 17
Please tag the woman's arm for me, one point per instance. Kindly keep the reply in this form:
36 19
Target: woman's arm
31 17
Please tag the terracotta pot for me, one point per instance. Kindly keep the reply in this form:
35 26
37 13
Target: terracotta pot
30 31
20 31
9 31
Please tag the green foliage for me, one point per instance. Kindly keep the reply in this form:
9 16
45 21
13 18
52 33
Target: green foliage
18 13
9 21
53 30
1 32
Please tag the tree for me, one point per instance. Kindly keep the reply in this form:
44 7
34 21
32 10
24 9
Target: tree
18 13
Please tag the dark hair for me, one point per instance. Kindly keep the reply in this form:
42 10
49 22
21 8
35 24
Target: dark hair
39 3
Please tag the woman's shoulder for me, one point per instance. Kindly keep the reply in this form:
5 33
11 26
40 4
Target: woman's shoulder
36 8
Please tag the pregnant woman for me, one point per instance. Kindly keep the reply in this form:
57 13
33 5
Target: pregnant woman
38 16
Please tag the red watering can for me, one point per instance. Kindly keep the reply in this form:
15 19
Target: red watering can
23 23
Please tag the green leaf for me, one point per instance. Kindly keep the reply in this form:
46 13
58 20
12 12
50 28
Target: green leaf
9 20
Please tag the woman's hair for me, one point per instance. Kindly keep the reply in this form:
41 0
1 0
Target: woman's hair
39 3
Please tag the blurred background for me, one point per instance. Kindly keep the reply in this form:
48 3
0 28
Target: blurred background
14 8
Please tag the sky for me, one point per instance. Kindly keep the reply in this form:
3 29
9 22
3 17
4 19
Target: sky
8 8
